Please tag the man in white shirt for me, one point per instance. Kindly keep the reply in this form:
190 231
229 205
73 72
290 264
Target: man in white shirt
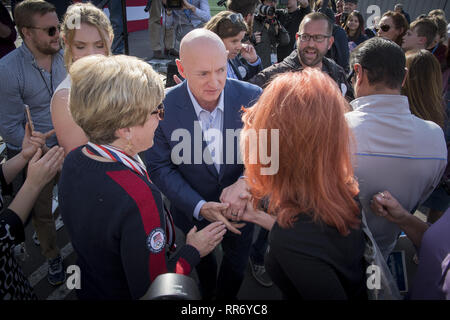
395 150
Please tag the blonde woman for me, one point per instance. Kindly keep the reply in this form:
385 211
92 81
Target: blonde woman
86 30
115 217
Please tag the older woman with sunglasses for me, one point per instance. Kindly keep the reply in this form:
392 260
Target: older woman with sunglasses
393 26
243 62
114 215
94 35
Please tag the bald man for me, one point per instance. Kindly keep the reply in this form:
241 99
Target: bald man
195 155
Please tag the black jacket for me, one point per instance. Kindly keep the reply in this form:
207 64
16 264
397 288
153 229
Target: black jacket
273 34
313 261
292 63
291 22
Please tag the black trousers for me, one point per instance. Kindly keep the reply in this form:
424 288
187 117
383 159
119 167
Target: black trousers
224 284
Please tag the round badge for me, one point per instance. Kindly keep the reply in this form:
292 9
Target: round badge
156 240
242 71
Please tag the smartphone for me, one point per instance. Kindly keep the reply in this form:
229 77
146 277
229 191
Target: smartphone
30 121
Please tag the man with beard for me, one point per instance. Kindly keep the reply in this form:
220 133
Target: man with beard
314 39
28 76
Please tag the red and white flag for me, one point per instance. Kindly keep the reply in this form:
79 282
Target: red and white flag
136 16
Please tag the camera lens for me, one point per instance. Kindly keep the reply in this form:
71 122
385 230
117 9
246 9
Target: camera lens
265 10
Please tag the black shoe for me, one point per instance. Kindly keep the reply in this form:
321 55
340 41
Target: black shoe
260 274
56 274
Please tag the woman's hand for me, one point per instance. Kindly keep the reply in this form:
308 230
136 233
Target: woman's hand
385 205
206 239
258 217
248 52
42 170
33 141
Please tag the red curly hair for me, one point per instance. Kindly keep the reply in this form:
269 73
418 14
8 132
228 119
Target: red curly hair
315 174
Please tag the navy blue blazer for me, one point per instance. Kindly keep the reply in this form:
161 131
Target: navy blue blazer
186 183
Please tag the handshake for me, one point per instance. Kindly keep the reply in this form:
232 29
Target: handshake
234 206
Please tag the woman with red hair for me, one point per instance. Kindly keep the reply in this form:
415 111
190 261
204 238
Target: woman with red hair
316 244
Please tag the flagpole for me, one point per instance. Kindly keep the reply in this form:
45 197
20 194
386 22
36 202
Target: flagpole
125 26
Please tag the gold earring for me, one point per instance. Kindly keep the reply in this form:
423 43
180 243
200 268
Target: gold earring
129 146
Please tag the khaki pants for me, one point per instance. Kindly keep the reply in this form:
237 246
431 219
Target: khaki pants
155 28
43 221
41 214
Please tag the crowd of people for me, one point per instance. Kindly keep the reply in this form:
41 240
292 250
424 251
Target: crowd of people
300 124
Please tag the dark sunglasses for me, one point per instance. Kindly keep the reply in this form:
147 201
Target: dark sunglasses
51 31
383 27
159 111
236 18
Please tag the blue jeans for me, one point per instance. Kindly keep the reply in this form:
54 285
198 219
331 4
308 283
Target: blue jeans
115 16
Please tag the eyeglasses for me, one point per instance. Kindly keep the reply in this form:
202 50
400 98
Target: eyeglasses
317 37
236 18
51 31
159 111
350 76
383 27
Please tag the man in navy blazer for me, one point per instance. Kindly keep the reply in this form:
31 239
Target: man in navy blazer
195 155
